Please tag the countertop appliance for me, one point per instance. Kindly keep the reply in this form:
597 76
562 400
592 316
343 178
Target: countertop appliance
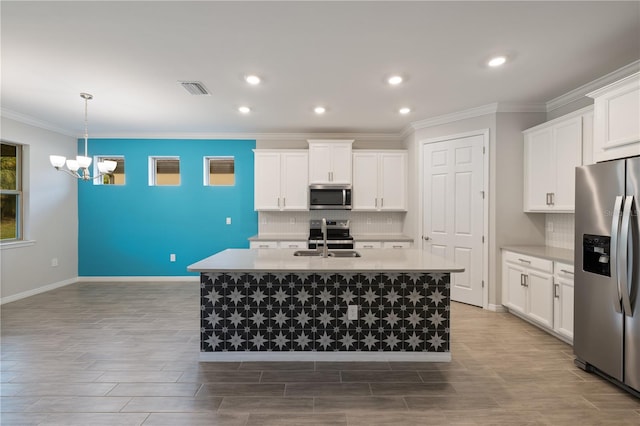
329 197
607 271
338 234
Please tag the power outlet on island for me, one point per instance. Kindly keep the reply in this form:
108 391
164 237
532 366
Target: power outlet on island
172 257
352 312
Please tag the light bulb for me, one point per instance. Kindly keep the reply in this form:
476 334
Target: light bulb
244 109
57 161
497 61
404 110
319 110
252 79
394 80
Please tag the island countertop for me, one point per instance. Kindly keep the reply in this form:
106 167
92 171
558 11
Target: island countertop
389 260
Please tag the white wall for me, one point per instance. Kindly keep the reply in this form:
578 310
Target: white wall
51 216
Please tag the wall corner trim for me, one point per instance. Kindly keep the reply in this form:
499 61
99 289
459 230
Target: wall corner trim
38 290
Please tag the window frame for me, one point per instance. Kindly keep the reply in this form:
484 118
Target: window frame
19 192
96 172
206 172
153 169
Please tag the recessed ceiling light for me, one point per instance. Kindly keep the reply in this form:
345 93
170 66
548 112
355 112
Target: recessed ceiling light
319 110
394 80
252 79
404 110
244 109
497 61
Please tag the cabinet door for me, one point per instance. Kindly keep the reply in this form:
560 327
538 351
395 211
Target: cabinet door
563 312
294 178
365 181
267 181
367 244
341 163
319 163
567 143
396 244
392 181
263 244
539 170
540 297
514 292
616 132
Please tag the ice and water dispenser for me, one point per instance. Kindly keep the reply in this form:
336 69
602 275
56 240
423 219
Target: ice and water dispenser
596 254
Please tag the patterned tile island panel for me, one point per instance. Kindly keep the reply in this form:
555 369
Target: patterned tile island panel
263 311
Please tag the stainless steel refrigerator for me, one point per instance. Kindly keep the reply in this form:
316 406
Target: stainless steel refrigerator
607 271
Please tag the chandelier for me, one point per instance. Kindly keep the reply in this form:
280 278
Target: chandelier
79 168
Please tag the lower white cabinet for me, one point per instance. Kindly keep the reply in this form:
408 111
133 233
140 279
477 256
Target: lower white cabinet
563 299
278 244
539 291
367 244
396 244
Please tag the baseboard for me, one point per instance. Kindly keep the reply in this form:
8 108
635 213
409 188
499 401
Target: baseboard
496 308
140 279
248 356
38 290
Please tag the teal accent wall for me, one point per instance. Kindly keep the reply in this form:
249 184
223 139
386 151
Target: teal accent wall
131 230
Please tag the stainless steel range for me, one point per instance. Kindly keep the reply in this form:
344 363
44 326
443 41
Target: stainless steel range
338 234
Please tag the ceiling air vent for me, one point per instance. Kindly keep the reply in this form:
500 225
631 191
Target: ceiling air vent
194 87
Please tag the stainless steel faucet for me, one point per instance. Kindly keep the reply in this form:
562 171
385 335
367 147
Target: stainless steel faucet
323 229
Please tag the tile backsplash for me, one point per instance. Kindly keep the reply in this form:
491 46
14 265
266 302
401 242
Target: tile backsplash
361 222
559 230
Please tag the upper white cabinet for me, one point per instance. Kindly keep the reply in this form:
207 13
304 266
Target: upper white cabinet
330 161
616 127
281 180
379 180
552 151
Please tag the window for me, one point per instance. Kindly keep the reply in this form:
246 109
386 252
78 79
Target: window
164 171
114 178
219 171
10 192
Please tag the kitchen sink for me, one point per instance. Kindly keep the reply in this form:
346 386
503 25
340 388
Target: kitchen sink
330 253
307 253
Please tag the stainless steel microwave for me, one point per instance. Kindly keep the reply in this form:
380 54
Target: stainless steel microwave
329 197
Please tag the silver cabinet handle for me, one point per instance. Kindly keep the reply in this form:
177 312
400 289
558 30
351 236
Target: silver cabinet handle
264 246
553 198
278 201
548 198
623 270
566 272
376 203
522 280
556 291
284 202
397 247
381 202
367 246
615 231
526 280
524 260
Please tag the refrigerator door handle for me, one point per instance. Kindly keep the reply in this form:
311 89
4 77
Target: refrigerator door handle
615 230
624 273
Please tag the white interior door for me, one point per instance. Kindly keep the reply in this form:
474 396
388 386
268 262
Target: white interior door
453 209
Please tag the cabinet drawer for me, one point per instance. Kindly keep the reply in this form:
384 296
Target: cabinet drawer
396 244
529 261
263 244
368 244
563 270
293 244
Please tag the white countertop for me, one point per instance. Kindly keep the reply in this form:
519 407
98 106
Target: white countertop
544 252
388 260
305 237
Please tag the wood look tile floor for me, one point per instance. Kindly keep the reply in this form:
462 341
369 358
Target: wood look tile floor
127 354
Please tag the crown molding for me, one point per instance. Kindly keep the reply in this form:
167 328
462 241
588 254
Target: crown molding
31 121
596 84
251 136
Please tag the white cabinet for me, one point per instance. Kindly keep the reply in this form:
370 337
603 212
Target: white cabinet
281 180
396 244
563 300
367 244
528 287
330 161
278 244
379 180
540 291
382 244
616 127
552 151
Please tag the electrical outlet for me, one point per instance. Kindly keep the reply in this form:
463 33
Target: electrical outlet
292 221
54 262
172 257
228 221
352 312
368 221
389 221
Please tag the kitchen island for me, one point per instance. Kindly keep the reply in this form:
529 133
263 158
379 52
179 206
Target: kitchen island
267 304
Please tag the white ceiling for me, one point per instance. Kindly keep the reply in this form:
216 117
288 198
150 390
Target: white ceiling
130 55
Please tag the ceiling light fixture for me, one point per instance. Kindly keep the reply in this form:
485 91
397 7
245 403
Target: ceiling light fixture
497 61
394 80
79 168
252 80
244 109
404 110
319 110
